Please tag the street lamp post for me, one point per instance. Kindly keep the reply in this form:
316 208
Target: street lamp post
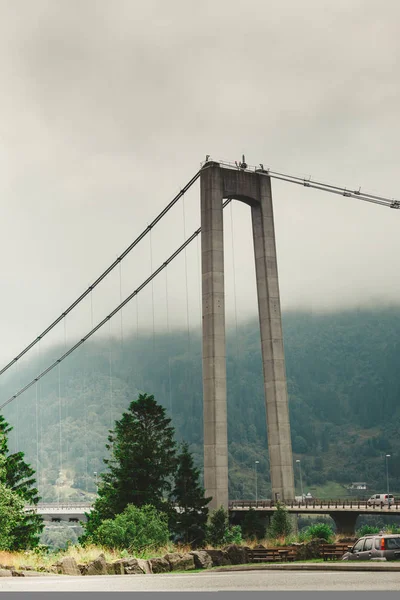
256 463
387 477
301 481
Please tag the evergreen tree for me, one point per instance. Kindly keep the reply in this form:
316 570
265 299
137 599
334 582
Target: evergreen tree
191 522
142 463
217 527
253 526
280 522
18 476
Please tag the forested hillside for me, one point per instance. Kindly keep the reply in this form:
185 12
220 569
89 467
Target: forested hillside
344 386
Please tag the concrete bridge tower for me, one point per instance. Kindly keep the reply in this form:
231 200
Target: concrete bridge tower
254 189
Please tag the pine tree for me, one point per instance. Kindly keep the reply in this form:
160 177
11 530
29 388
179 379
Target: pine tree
217 527
191 522
142 464
280 522
18 476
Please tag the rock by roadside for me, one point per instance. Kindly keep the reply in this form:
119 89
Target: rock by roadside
98 566
202 560
180 562
309 550
67 566
129 566
159 565
237 554
230 555
219 558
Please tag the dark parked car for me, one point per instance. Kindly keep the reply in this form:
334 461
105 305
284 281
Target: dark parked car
379 545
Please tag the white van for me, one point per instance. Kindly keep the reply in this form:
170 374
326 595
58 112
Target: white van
378 499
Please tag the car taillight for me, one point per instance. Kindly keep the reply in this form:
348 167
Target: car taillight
386 496
382 543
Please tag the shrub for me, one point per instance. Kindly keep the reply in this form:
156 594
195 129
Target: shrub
135 529
319 530
233 535
280 522
367 530
392 528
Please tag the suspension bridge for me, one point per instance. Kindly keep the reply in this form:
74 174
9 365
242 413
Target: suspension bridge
220 183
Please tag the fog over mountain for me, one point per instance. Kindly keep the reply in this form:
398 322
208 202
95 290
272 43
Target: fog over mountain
107 109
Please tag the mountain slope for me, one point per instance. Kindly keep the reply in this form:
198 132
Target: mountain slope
343 381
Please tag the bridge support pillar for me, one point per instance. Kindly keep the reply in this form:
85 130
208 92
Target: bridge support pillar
214 353
345 522
254 189
273 357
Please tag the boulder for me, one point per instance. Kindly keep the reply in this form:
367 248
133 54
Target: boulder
310 550
144 564
16 573
116 567
219 558
67 566
132 567
128 566
5 573
159 565
98 566
180 562
202 560
237 554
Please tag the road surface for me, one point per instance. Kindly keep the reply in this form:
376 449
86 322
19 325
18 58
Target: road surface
202 582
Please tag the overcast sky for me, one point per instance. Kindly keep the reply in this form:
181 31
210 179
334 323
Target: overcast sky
108 107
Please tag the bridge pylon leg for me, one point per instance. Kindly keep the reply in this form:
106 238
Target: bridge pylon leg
214 353
273 357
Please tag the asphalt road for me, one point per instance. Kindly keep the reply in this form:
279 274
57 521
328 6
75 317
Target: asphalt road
230 581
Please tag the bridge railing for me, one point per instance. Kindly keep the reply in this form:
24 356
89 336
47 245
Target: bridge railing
58 507
312 503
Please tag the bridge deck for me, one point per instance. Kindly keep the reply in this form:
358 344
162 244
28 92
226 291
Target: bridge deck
317 507
76 512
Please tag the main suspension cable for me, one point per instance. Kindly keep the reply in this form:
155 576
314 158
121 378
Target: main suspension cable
308 182
104 274
108 317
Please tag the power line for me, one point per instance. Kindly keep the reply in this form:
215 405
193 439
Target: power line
108 317
105 273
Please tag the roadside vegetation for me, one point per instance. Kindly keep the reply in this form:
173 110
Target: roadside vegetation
149 503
